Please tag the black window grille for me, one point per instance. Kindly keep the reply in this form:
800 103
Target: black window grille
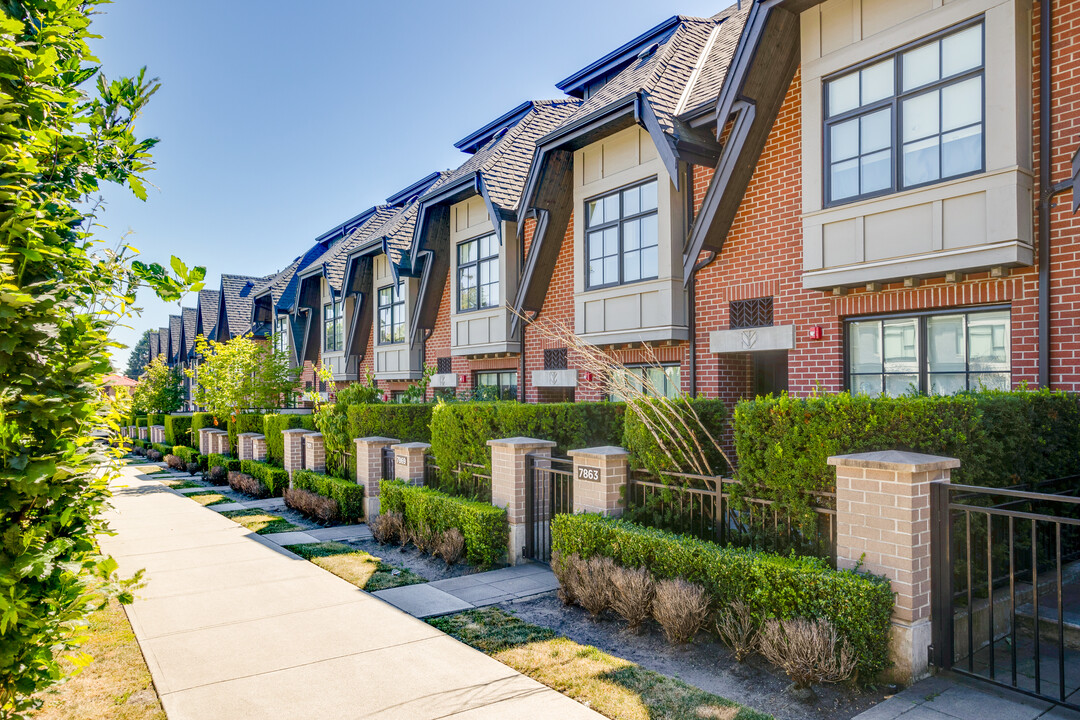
443 365
750 313
555 359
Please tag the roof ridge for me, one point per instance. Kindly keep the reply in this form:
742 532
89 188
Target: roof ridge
670 48
702 59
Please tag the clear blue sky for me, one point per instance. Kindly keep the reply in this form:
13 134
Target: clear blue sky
279 120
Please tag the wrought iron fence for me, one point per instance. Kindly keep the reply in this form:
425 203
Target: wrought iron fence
465 480
388 463
549 490
706 507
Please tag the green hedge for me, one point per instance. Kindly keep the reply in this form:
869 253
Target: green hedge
140 422
647 453
858 605
155 419
199 421
178 429
407 423
163 448
484 526
273 425
274 479
248 422
460 431
185 453
216 460
349 495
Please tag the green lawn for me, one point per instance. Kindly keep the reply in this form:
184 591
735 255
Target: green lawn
261 523
614 687
358 567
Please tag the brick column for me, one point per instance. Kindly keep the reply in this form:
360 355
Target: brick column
243 445
314 452
883 519
600 475
369 470
409 462
293 458
143 433
258 447
509 475
204 440
157 433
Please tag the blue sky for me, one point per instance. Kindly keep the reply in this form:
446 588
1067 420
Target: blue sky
279 120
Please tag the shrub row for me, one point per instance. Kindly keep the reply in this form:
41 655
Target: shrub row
858 605
163 448
274 425
178 429
483 526
407 423
274 479
199 421
214 460
348 495
155 419
647 452
186 454
140 422
248 422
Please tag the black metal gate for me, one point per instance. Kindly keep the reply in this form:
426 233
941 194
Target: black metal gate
549 490
388 472
1005 586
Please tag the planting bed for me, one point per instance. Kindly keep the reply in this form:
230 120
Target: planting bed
408 557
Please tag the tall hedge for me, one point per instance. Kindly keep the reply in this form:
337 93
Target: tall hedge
407 423
199 421
155 419
178 430
248 422
460 431
649 454
274 425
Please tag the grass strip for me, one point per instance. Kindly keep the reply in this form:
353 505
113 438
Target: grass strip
614 687
206 499
261 523
362 569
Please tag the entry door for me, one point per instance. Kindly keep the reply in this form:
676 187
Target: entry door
770 372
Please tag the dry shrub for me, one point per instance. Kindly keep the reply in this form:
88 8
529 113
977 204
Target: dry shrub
174 462
738 629
568 572
422 537
320 508
632 595
594 591
153 455
449 545
242 482
809 651
388 527
681 608
217 475
194 467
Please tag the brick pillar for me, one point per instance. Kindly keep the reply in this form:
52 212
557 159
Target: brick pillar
509 475
369 470
258 447
143 433
314 452
219 442
157 433
204 440
243 445
883 519
409 462
293 458
600 475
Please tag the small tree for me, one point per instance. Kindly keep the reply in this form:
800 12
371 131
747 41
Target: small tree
241 374
139 357
160 389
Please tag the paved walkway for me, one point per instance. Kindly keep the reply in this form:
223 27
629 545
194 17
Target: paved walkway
232 626
947 697
443 597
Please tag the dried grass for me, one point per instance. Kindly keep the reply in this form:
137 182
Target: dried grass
809 651
681 608
388 527
594 588
632 595
738 629
449 545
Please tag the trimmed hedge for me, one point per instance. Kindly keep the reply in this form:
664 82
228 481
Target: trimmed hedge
199 421
460 431
274 479
485 528
178 429
857 604
274 425
185 453
248 422
163 448
155 419
646 452
407 423
348 495
214 460
140 422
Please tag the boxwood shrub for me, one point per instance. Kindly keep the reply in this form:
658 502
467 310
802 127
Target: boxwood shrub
155 419
407 423
214 460
857 604
248 422
163 448
484 526
349 495
186 454
646 453
274 425
274 479
178 429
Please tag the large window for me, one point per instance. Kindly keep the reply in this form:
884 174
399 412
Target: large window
478 273
940 354
621 237
663 380
281 334
907 119
333 327
503 382
392 314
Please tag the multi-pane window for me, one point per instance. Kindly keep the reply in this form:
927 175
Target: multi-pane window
392 314
910 118
478 273
333 327
661 381
281 334
504 381
940 354
621 237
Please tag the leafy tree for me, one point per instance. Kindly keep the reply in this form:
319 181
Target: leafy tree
240 375
139 357
63 293
160 389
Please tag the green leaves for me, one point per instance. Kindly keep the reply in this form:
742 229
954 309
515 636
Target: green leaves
240 375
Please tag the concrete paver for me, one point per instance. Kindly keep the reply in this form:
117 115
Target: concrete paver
341 532
947 697
423 600
295 537
227 507
232 627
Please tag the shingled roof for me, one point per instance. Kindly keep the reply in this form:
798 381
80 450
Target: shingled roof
282 286
189 316
207 313
237 295
713 65
155 338
175 323
163 343
333 261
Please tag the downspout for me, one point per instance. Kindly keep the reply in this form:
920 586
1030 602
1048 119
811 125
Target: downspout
1045 191
692 285
427 333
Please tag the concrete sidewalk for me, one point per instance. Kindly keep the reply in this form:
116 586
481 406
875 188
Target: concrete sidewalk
951 697
232 626
443 597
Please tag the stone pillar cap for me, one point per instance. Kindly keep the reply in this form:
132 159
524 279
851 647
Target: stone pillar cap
314 434
215 430
249 434
297 430
521 442
605 451
896 460
377 441
413 446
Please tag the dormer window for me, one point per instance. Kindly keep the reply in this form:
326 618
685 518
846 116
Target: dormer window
621 238
333 327
281 334
392 314
478 273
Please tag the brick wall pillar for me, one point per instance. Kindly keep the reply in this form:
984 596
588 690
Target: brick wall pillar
883 519
369 470
600 475
204 440
258 447
144 433
314 452
219 442
157 433
509 475
243 445
409 461
293 457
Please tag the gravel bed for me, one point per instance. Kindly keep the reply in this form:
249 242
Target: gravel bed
707 664
408 557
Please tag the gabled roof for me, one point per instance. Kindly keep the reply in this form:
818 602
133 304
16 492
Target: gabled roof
189 316
155 339
175 325
282 286
332 262
236 298
615 60
207 313
163 344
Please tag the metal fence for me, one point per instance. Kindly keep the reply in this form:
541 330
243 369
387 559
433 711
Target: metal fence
465 480
549 490
706 507
388 463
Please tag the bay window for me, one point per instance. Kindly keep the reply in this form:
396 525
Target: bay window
621 237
